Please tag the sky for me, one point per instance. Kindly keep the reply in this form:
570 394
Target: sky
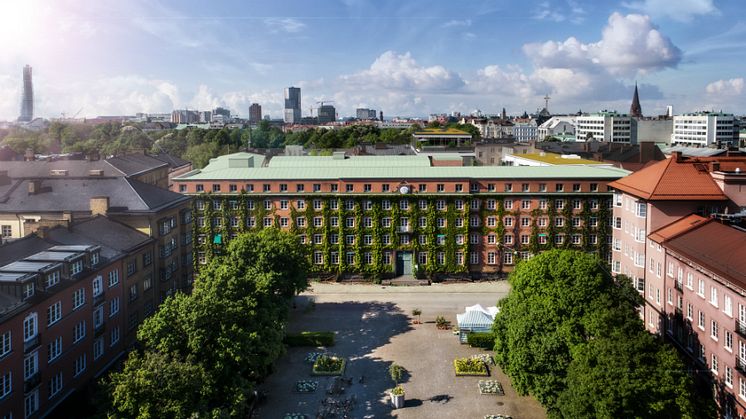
405 57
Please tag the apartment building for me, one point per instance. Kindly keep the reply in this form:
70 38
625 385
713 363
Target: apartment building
704 129
685 264
130 189
64 311
398 215
607 126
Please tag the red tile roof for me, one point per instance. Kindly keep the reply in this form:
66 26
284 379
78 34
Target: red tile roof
677 228
717 247
672 180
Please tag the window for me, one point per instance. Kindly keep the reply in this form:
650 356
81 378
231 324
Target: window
559 187
576 187
98 316
316 187
132 293
53 279
701 321
508 204
689 280
283 187
334 188
508 258
728 376
268 221
30 327
491 258
80 365
114 337
459 187
114 303
6 231
5 344
474 258
714 329
701 289
349 188
28 290
78 298
54 313
284 221
113 277
30 365
54 349
508 187
55 384
334 256
76 267
216 187
200 187
714 296
6 384
385 187
300 187
727 305
98 347
440 187
728 344
350 222
79 331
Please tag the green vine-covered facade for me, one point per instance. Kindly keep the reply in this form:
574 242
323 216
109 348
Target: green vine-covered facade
386 221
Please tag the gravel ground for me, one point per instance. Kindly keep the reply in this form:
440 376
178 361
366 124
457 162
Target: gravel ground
374 328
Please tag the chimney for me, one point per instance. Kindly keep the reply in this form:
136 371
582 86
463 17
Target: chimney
67 219
715 166
677 157
99 205
34 187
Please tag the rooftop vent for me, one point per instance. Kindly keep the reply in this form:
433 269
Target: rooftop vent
95 172
338 155
58 172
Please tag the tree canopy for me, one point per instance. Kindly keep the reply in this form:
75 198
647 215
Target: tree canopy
227 333
569 334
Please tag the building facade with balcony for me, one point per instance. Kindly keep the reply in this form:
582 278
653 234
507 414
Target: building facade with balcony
63 311
398 215
652 209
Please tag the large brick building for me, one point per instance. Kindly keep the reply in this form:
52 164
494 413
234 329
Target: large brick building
394 215
70 301
688 266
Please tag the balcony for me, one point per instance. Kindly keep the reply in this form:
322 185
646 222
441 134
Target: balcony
678 285
31 344
741 328
31 382
97 299
741 365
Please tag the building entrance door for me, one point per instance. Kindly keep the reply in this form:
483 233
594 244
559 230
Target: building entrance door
404 263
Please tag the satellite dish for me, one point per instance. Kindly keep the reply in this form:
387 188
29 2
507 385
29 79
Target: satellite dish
404 189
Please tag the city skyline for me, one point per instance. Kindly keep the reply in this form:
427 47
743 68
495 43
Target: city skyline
408 59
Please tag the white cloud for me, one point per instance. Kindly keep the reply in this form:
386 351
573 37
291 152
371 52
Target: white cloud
681 10
732 87
394 71
288 25
629 45
570 11
457 23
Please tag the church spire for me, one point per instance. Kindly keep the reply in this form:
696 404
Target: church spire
635 109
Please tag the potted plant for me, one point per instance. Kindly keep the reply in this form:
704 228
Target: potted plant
441 323
397 393
417 312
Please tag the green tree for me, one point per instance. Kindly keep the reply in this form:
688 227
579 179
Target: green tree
233 323
201 154
554 337
154 385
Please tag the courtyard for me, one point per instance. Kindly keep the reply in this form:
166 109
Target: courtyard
374 328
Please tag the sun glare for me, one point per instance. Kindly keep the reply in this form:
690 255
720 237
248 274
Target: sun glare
18 20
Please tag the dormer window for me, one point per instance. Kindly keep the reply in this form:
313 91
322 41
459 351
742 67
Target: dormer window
53 278
77 267
28 290
94 258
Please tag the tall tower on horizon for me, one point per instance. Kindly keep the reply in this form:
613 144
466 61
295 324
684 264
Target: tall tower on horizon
635 109
27 102
292 113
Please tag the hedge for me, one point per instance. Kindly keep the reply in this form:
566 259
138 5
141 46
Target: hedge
484 340
310 339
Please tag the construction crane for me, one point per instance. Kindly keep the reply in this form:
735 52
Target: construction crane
324 101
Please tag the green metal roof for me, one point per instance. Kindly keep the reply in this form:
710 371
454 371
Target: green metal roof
352 161
386 167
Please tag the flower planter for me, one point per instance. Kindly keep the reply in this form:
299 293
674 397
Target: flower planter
491 387
397 400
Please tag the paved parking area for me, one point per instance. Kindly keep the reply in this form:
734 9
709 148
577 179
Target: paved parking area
374 329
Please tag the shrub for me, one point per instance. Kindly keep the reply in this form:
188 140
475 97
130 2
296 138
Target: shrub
484 340
397 391
310 339
469 366
441 322
396 372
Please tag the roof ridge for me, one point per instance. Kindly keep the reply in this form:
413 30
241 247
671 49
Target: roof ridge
660 178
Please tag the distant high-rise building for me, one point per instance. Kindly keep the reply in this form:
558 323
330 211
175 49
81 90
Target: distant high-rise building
635 110
365 113
327 114
292 105
255 113
381 116
226 113
27 102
